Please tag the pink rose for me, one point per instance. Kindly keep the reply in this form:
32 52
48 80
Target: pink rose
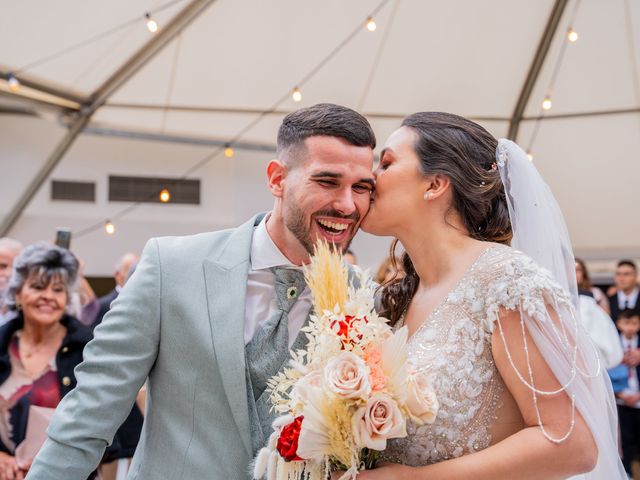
379 420
377 378
347 376
421 399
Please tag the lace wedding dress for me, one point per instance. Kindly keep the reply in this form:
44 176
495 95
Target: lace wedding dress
453 346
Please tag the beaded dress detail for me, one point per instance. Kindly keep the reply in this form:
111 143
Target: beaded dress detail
453 347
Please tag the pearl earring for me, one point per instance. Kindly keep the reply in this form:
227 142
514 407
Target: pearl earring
427 196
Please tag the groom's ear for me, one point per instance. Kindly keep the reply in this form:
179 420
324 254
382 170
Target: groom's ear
276 173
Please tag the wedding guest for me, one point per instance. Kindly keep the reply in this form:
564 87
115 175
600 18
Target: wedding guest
626 296
584 285
628 400
126 442
84 303
9 250
602 331
120 276
40 347
389 269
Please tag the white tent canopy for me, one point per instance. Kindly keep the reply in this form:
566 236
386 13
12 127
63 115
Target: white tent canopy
157 104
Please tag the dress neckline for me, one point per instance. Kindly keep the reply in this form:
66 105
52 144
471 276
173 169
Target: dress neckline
445 299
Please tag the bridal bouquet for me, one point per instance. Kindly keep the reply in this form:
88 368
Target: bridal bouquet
349 392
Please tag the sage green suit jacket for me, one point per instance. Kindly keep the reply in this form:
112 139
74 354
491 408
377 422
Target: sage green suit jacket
180 322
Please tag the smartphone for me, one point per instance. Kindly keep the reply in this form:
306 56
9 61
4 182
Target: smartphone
63 238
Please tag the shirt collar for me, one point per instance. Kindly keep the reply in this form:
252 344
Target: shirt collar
631 297
264 252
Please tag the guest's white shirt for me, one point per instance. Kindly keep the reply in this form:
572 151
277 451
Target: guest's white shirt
630 299
261 291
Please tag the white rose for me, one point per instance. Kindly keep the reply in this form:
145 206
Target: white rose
347 376
421 399
303 387
379 420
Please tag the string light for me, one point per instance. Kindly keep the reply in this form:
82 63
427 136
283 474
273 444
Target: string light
371 24
165 196
572 35
546 103
151 23
296 95
109 227
14 83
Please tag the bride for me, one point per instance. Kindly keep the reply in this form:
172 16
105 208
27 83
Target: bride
521 391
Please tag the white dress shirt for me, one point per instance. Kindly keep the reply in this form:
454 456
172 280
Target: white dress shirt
630 299
260 302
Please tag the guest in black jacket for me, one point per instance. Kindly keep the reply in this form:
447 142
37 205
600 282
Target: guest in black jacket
39 348
627 296
121 275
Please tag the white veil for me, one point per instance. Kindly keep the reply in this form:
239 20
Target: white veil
539 231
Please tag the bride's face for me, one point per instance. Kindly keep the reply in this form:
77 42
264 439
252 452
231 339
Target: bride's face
400 186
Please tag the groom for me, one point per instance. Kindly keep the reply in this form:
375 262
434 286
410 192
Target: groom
210 317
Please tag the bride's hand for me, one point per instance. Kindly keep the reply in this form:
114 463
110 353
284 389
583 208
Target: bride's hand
386 471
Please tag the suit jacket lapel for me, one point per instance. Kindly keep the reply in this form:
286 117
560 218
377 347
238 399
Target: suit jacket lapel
226 284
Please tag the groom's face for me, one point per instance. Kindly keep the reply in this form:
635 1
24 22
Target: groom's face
327 190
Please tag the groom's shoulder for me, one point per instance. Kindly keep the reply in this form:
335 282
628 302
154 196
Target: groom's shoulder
189 244
203 245
193 248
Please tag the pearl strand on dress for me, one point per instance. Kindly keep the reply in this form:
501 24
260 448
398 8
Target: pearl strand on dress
574 370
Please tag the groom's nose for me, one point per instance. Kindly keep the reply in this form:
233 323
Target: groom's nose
344 202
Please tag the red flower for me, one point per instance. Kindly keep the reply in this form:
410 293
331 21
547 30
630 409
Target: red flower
288 441
344 329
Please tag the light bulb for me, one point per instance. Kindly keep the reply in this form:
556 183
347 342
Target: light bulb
109 227
165 196
296 95
151 23
546 103
371 24
530 155
228 151
572 35
14 83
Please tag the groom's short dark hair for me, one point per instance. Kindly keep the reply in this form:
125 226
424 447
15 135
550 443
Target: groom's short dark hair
324 119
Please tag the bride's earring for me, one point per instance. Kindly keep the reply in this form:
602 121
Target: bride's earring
428 195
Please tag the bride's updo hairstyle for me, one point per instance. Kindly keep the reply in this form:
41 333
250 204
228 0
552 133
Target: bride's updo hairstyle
464 152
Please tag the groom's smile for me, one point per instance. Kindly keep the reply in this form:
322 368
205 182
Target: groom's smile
335 229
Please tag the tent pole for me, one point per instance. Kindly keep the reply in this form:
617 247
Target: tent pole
97 99
536 67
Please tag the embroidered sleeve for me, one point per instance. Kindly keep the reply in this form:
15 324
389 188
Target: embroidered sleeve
519 283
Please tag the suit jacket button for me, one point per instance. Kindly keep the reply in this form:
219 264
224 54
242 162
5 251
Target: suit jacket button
66 381
65 349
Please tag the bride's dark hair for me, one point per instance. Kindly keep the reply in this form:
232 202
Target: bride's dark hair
464 152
